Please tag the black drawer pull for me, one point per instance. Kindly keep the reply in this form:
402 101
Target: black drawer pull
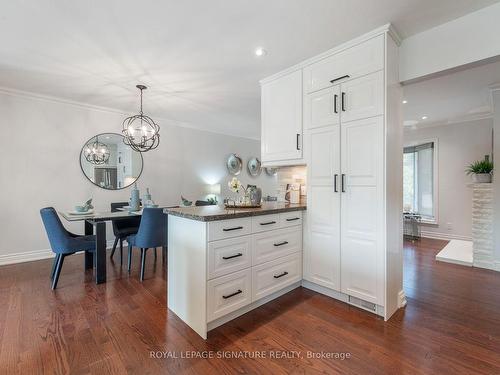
233 256
232 294
335 103
293 219
343 102
338 79
280 275
281 243
230 229
268 223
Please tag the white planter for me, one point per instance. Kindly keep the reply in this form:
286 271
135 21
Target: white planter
481 178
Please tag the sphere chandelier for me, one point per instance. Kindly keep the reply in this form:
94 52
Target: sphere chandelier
96 152
140 132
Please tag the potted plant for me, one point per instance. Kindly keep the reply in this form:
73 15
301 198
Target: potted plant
480 170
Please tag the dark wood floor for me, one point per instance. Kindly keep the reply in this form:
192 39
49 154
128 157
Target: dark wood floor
451 325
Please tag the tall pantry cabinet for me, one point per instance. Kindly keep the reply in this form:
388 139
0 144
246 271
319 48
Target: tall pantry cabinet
352 146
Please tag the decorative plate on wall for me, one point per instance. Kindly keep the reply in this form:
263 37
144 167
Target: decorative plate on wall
254 167
271 171
234 164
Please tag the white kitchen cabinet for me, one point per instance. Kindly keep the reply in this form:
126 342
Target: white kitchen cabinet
351 62
322 253
362 201
322 108
362 97
281 118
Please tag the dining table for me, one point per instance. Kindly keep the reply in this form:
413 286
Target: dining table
95 223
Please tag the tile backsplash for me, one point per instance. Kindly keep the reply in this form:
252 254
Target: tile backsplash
291 175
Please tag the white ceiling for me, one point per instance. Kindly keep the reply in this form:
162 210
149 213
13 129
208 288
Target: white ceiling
196 56
455 97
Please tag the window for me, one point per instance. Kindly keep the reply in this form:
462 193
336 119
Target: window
419 180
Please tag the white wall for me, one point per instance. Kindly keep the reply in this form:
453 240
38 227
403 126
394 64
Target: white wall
459 145
39 165
467 39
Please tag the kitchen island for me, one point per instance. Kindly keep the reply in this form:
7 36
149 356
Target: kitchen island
223 263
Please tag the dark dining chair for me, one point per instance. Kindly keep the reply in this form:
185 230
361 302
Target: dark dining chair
123 228
63 242
151 235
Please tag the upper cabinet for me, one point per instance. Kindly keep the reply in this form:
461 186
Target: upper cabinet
353 62
281 106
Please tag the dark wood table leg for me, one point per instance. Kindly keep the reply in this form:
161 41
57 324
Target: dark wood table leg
89 257
100 253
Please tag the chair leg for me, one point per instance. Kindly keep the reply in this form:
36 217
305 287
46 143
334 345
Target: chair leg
121 251
129 257
154 250
143 262
114 247
59 265
164 254
54 264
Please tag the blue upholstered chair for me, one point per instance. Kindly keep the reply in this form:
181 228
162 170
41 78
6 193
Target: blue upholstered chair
123 228
62 242
151 234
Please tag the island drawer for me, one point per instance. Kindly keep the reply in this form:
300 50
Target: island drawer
270 277
219 230
274 244
264 223
231 255
228 293
290 219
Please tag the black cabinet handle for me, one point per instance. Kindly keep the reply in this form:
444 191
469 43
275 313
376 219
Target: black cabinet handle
343 183
338 79
343 101
280 275
230 229
232 294
335 178
281 243
293 219
233 256
298 146
268 223
335 97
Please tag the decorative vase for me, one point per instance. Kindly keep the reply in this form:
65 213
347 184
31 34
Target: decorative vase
135 201
255 196
481 178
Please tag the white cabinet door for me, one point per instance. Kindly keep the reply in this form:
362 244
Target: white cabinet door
362 201
322 249
362 97
356 61
281 107
322 108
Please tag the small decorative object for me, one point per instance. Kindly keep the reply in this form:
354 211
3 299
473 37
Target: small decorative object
96 152
212 200
294 193
254 167
271 171
481 170
135 201
255 195
234 164
140 132
85 207
186 202
245 201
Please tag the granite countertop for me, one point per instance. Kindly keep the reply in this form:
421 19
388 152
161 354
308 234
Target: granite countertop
214 213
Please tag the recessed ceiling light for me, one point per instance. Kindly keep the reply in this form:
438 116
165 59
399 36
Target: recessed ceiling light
424 117
405 101
259 52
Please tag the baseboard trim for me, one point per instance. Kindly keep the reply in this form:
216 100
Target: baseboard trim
30 256
380 311
444 236
401 299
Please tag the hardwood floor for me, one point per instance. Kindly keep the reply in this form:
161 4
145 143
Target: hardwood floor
451 325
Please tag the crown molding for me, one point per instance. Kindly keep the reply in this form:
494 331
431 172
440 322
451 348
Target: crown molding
81 105
456 120
385 29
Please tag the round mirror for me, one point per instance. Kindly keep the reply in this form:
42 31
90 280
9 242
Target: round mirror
109 163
